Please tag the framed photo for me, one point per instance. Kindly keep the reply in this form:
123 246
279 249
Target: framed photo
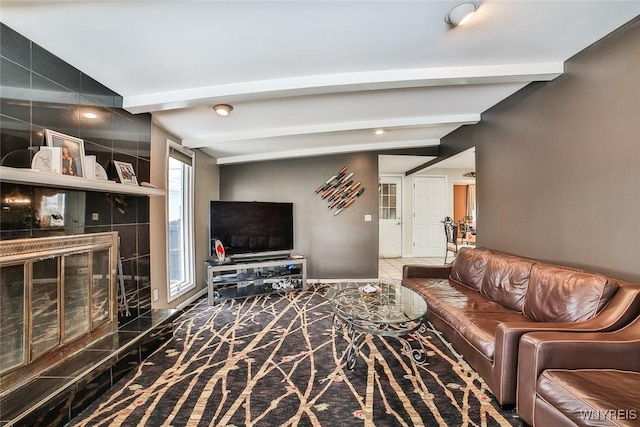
126 173
72 152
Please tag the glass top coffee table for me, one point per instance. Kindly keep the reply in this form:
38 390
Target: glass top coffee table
384 308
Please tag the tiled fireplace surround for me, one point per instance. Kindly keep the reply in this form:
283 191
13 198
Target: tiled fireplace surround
39 91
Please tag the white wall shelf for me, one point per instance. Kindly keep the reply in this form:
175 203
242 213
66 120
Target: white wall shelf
44 179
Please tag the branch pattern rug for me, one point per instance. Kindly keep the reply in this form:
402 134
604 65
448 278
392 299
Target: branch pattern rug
276 360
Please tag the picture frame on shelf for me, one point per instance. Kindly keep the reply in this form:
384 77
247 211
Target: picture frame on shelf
126 173
72 152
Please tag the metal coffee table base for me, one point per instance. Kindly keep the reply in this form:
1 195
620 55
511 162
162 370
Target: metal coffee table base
358 330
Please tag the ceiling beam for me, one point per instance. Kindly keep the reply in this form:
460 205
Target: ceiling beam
341 82
388 124
429 151
321 150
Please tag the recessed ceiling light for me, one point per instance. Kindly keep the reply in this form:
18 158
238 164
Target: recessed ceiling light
461 13
90 115
223 110
378 131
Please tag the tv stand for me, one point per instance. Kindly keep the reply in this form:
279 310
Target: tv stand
245 278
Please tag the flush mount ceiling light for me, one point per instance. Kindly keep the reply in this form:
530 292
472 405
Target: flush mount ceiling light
90 115
378 131
223 110
461 13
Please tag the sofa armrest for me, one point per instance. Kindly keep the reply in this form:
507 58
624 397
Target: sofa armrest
411 271
569 350
623 308
506 352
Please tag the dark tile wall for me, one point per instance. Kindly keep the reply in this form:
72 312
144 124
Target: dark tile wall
40 91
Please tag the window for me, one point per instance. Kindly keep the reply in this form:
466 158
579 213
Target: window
180 258
388 201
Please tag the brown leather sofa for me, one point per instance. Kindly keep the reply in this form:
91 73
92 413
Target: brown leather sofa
485 301
584 379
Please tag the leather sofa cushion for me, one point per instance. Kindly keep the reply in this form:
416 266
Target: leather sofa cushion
506 279
476 327
603 397
557 294
447 292
471 314
469 266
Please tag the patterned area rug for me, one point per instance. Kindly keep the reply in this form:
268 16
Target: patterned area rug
277 360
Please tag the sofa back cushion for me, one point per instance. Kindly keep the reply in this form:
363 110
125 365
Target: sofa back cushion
557 294
468 267
506 279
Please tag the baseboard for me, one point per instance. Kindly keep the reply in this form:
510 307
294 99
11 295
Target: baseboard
193 298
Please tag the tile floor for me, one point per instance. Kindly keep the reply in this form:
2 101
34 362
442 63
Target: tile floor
60 393
392 267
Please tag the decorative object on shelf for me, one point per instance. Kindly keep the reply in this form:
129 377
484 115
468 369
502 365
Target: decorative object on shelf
90 165
340 190
219 250
94 170
126 174
101 173
47 159
72 157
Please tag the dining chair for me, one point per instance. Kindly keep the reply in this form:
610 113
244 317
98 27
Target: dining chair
451 233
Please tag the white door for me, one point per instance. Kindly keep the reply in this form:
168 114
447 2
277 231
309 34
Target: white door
390 217
429 201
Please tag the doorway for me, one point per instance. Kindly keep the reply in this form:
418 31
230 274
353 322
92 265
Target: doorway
390 216
429 209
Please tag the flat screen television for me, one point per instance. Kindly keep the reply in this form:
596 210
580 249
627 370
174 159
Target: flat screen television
251 230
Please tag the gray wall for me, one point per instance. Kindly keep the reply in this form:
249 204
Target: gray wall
558 163
337 247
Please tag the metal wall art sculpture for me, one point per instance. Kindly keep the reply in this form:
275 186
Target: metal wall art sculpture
340 191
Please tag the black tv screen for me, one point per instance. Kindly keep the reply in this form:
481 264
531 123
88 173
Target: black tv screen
246 228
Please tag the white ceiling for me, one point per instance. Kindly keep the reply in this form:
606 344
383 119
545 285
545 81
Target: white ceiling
313 77
398 165
465 160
